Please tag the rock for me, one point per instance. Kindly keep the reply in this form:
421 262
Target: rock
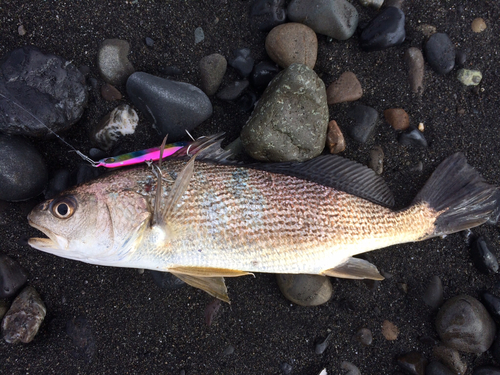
21 30
119 122
113 62
321 346
364 336
350 368
233 91
413 363
484 260
413 137
305 290
495 348
433 295
427 30
377 159
246 101
228 351
80 332
23 174
212 70
292 43
242 62
172 106
337 19
166 280
334 138
263 73
58 183
85 173
486 370
12 276
437 368
365 119
478 25
464 324
376 4
291 118
415 61
469 77
397 118
4 307
345 89
199 35
286 368
492 304
39 93
110 93
22 321
386 30
440 53
460 58
149 42
389 330
266 14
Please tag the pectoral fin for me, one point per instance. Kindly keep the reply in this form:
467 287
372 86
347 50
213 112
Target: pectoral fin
214 286
208 271
355 268
178 189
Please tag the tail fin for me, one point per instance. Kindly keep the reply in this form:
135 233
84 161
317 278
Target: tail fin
462 195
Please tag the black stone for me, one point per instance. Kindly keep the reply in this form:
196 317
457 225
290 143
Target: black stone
80 331
149 42
85 172
58 183
12 276
437 368
484 260
495 348
486 370
440 53
166 280
460 58
247 101
413 363
433 295
492 304
387 29
263 73
413 137
365 118
233 91
266 14
242 62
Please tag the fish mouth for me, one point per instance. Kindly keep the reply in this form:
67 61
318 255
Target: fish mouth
53 242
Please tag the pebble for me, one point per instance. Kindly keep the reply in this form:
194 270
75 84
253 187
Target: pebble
242 62
478 25
292 43
112 61
80 332
413 363
26 314
415 62
199 35
263 73
495 348
364 336
464 324
377 159
492 304
119 122
305 290
233 91
337 19
413 137
321 346
172 106
58 183
212 70
278 129
376 4
85 173
49 93
286 368
266 14
4 307
12 276
21 30
365 119
350 368
110 92
386 30
433 295
228 351
149 42
440 53
389 330
469 77
247 101
345 89
486 370
437 368
460 57
23 174
166 280
427 30
397 118
485 261
334 138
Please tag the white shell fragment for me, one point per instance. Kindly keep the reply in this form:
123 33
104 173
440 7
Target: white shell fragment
120 121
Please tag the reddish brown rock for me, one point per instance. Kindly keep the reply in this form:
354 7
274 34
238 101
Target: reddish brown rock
346 89
397 118
334 138
110 92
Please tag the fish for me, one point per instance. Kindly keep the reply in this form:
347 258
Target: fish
204 218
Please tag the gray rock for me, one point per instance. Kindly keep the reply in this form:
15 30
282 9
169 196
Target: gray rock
112 61
290 120
464 324
119 122
12 276
433 295
365 118
172 106
305 290
39 93
364 336
212 70
372 3
199 35
335 18
22 321
437 368
350 368
233 91
415 61
413 137
23 173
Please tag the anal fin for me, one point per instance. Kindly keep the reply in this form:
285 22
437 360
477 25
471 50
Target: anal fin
215 286
354 268
208 271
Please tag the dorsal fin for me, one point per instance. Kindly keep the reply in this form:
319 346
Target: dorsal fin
207 148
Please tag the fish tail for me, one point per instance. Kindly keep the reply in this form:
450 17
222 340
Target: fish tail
460 196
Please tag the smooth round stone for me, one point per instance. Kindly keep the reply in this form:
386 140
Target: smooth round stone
26 314
112 61
364 336
23 174
263 73
110 93
413 363
266 14
345 89
486 370
484 260
233 91
492 304
58 183
386 30
305 290
365 119
433 295
149 42
242 62
451 358
119 122
12 276
413 137
464 324
172 106
397 118
212 70
166 280
290 120
199 35
415 62
335 18
437 368
440 53
478 25
350 368
389 330
39 93
469 77
292 43
80 332
377 159
334 138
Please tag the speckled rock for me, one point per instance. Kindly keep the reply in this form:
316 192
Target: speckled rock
112 61
305 290
440 53
292 43
345 89
119 122
415 61
397 118
290 120
469 77
212 70
334 138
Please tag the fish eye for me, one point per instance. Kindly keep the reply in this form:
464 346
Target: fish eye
63 208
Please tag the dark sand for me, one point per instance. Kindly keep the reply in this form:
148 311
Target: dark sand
138 327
